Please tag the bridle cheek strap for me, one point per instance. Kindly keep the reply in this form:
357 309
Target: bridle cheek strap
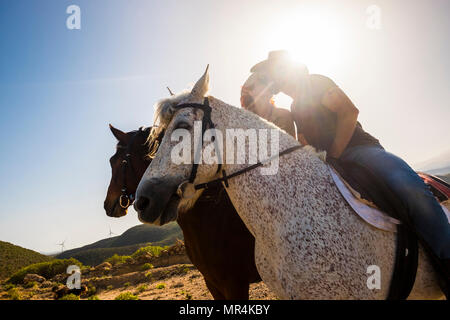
126 199
206 124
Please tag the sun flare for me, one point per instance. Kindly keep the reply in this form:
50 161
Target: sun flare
312 37
316 40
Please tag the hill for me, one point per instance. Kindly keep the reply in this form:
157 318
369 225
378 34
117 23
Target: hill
440 171
445 177
13 258
125 244
439 164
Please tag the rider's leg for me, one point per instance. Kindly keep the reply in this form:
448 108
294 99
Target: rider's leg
424 212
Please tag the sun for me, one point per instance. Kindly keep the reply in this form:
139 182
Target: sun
312 38
315 38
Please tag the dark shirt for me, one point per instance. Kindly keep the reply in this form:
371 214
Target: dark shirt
316 122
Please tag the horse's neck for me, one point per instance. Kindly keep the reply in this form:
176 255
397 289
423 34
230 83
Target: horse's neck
251 192
226 117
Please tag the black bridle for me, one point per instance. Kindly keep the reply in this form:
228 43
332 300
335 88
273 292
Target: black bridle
127 198
207 122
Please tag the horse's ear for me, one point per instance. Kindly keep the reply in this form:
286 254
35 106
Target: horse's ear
148 129
145 130
201 87
120 135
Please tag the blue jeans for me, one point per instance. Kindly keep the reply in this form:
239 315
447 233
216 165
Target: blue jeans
424 212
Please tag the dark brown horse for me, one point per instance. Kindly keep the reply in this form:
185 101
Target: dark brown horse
128 165
217 241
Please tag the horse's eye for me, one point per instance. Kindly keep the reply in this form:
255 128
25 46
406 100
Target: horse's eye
183 125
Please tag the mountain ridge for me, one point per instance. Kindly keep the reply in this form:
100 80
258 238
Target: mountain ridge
439 164
125 244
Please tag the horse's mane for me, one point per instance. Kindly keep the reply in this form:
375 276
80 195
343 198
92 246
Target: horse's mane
164 111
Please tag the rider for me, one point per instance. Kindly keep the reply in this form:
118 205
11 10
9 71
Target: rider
256 97
327 119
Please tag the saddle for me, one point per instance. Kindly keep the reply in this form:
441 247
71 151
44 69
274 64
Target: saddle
372 200
438 187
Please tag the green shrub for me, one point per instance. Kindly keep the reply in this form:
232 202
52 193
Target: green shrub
126 284
91 290
160 286
110 287
153 250
30 284
14 294
45 269
93 298
147 266
70 296
85 269
116 259
142 288
8 286
126 296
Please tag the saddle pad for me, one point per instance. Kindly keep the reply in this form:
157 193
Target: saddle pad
367 210
370 214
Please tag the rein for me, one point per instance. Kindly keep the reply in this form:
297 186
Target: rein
207 116
239 172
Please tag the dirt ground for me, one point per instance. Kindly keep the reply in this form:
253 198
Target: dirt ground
188 285
175 282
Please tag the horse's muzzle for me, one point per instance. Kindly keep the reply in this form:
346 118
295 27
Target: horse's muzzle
152 198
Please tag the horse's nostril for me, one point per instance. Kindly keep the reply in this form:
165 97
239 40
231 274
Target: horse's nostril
141 203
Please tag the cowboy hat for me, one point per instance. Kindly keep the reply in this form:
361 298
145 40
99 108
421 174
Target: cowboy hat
275 58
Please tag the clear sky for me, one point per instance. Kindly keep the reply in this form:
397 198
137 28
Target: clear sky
60 88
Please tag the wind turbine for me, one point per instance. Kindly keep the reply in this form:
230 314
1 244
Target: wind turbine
110 232
62 245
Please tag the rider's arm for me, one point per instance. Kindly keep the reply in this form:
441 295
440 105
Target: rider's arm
337 101
283 119
302 139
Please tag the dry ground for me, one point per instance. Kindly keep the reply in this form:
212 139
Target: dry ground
175 282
